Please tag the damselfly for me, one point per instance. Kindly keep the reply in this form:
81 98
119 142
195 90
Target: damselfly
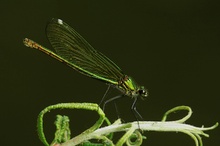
74 51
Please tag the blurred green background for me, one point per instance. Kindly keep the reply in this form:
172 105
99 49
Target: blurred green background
170 47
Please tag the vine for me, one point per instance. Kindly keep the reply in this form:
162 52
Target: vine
104 135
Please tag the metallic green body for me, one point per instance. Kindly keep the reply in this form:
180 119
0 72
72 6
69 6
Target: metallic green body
73 50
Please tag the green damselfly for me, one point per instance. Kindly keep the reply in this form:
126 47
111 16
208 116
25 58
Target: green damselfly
74 51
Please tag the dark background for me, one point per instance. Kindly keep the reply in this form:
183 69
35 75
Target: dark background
170 47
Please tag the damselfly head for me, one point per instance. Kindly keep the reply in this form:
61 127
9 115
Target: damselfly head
143 92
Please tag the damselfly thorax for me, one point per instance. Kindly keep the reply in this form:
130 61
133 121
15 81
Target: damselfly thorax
129 87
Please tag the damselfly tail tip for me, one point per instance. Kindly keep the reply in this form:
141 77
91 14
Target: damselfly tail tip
27 42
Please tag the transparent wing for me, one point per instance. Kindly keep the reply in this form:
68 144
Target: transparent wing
80 55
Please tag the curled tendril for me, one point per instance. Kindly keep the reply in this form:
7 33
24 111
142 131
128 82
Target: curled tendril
178 108
135 139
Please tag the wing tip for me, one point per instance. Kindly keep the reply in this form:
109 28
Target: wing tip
57 20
